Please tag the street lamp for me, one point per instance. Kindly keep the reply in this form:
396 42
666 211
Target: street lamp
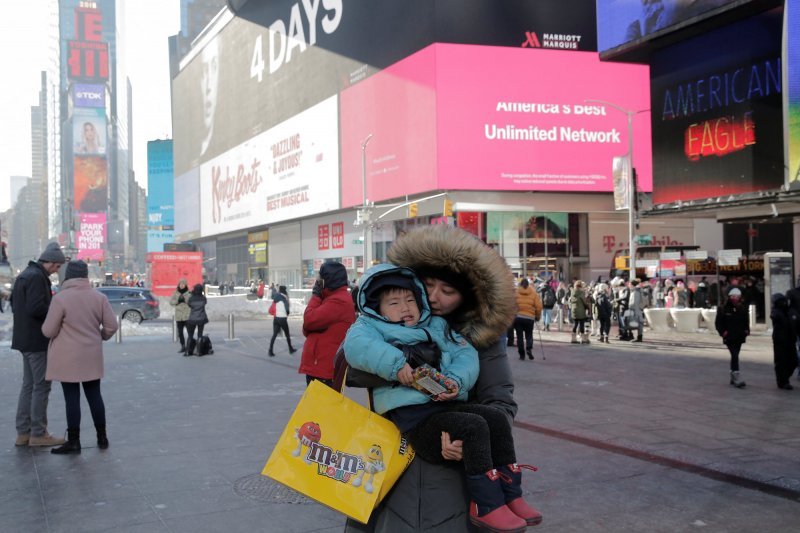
631 244
365 211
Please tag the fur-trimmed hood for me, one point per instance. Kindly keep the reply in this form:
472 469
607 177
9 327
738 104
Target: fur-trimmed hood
452 249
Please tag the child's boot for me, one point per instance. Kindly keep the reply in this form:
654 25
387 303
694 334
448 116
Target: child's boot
487 508
512 490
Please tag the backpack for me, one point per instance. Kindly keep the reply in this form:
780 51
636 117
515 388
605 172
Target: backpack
548 298
204 346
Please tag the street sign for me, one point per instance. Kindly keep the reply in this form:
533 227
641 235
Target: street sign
699 255
644 263
672 256
643 239
729 257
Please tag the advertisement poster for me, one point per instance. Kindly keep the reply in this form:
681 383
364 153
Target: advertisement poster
514 129
287 172
91 184
275 59
89 131
718 117
622 21
88 95
160 185
91 238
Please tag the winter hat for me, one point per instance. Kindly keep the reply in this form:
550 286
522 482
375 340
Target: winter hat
735 292
53 254
378 284
76 269
334 275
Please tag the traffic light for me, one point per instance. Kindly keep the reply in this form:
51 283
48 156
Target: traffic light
448 208
412 210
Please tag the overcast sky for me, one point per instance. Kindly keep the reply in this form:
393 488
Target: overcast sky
23 42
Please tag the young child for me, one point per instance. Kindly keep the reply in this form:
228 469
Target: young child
395 316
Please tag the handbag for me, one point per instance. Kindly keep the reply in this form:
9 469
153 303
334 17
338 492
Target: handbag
272 308
630 319
339 453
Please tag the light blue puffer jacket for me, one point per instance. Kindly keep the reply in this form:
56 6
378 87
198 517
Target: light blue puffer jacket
370 346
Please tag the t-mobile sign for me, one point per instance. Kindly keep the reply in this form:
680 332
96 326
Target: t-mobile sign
492 118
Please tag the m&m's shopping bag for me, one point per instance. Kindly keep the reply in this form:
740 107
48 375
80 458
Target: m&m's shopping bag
339 453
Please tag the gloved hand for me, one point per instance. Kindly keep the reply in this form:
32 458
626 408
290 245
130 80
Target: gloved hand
317 289
180 299
423 353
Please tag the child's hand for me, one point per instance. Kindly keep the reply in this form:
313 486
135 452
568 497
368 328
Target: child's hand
406 375
449 395
452 450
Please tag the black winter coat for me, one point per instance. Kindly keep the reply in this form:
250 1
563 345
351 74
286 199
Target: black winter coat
197 313
783 334
734 321
30 301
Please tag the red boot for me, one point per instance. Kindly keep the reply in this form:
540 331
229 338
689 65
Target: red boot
512 489
487 508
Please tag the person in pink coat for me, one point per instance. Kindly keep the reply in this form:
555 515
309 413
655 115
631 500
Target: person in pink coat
78 321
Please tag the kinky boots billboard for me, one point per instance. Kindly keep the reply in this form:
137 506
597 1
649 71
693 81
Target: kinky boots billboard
275 59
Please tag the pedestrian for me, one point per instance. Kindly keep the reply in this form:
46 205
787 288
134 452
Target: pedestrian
548 297
470 285
395 321
604 310
325 321
621 299
578 303
197 317
733 326
784 341
635 311
180 301
260 290
30 301
280 321
79 320
529 310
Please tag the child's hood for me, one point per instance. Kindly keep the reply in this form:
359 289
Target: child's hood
374 279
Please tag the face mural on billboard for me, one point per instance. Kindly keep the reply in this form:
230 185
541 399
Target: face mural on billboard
275 59
91 184
622 21
523 124
717 113
89 131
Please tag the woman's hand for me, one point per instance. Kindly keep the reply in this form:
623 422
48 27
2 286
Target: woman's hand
452 450
406 375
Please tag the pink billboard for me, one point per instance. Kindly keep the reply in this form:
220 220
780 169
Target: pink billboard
92 236
462 117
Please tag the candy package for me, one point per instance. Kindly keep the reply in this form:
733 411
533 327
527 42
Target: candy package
430 381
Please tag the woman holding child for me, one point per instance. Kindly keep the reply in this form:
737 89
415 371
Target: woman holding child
470 286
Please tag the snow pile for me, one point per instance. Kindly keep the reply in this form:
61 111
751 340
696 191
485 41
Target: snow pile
219 307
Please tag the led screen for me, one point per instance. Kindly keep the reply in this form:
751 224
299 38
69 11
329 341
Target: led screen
623 21
717 113
91 184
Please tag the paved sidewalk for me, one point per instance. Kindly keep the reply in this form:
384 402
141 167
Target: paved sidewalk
627 437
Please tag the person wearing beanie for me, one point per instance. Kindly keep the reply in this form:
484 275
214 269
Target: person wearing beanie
280 322
197 317
395 321
180 301
79 320
327 317
733 326
30 301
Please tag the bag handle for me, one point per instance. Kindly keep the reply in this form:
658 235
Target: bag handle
340 367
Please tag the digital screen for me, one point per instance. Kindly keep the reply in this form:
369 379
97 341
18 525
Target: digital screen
88 95
92 236
89 133
91 183
623 21
512 130
717 113
278 58
160 185
792 55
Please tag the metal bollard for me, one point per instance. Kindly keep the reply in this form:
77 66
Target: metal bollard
174 330
560 317
119 329
231 336
751 313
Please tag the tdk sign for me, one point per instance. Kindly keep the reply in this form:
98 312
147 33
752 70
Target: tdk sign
85 95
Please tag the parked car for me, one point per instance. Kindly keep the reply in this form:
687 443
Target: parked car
132 303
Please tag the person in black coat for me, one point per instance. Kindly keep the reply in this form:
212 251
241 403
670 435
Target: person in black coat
733 325
197 317
784 341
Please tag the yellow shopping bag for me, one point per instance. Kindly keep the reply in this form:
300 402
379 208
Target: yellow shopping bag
339 453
